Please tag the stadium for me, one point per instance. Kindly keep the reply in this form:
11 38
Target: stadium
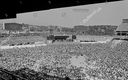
55 56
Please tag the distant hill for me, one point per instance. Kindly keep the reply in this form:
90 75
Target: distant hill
91 30
95 30
78 29
13 27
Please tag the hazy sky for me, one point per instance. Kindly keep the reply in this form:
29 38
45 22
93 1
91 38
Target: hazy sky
109 13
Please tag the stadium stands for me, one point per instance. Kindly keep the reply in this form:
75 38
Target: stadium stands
122 30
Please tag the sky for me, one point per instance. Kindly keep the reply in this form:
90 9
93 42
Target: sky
110 13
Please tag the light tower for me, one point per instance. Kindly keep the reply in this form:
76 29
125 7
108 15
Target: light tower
3 26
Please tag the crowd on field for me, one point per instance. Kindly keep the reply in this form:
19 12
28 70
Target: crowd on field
100 60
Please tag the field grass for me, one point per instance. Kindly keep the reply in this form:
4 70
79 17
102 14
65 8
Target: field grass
95 38
1 39
24 39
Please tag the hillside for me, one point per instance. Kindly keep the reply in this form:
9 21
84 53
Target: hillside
95 30
52 29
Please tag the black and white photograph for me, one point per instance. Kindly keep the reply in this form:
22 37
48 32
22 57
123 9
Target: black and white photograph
64 40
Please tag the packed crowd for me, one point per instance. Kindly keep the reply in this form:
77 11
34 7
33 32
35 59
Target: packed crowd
110 63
